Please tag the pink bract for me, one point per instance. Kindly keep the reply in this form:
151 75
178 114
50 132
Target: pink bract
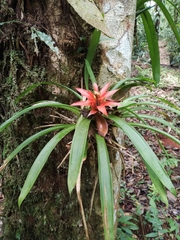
97 100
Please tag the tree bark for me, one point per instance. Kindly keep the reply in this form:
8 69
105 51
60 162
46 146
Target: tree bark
115 65
48 211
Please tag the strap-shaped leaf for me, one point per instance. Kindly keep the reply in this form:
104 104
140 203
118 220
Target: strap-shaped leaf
77 151
40 162
130 103
33 86
163 100
175 5
160 120
166 14
156 130
106 191
90 56
90 73
148 156
39 105
158 184
139 11
132 112
152 44
10 22
138 80
31 139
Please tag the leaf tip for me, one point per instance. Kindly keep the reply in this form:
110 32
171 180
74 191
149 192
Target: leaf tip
70 186
19 202
173 191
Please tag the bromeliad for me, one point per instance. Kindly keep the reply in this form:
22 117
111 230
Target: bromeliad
98 101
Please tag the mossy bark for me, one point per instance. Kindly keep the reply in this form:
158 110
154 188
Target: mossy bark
48 212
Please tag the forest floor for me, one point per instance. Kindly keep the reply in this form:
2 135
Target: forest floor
145 216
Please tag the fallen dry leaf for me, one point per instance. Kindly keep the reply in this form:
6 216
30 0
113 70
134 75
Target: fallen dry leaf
168 143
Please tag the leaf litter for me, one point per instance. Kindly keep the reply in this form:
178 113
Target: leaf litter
137 189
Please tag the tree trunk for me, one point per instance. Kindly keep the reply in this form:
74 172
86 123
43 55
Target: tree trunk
49 212
116 65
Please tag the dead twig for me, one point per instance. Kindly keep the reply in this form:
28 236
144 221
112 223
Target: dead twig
78 188
93 194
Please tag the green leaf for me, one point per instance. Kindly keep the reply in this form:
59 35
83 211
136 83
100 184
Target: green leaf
166 14
175 5
40 162
90 56
152 44
148 156
131 113
152 235
141 10
106 191
29 89
125 85
157 183
77 151
39 105
148 103
46 39
126 111
137 80
33 138
160 120
130 98
156 130
90 72
9 22
153 103
167 102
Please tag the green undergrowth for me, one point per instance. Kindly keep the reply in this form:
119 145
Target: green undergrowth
149 218
151 222
169 76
